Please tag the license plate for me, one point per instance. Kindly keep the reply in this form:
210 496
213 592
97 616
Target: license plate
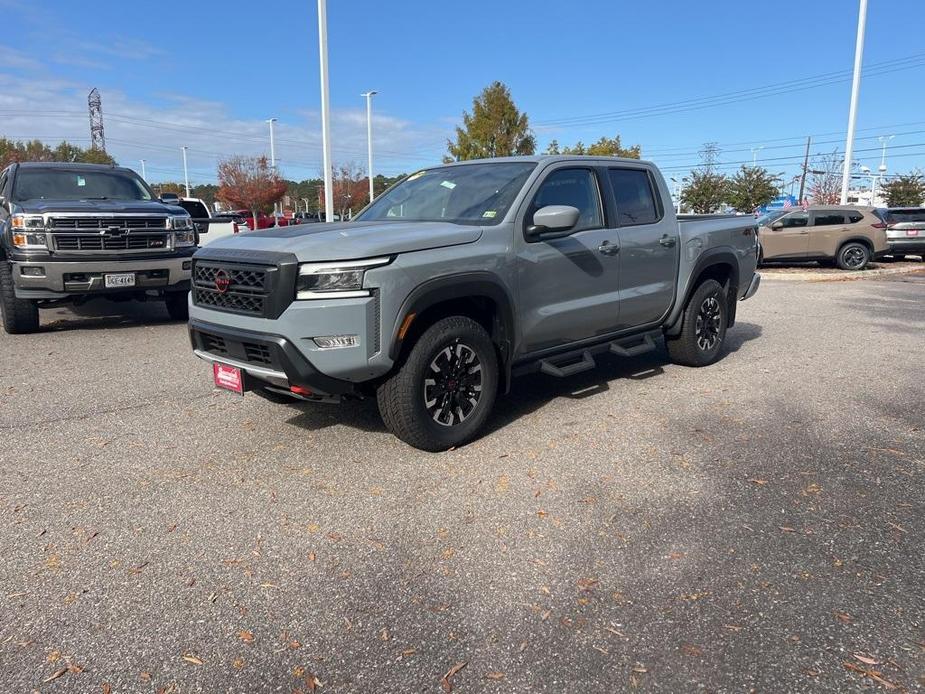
228 377
912 232
122 279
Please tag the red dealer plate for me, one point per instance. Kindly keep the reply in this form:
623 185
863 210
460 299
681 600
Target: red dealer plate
228 377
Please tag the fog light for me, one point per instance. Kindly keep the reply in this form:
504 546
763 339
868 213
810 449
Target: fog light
187 264
33 271
337 341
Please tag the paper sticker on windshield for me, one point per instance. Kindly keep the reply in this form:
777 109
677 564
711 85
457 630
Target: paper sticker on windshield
489 214
448 184
415 175
81 181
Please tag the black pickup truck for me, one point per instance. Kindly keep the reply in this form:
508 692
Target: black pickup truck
71 232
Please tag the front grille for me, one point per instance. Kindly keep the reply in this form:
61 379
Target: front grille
257 354
246 289
100 242
214 344
83 223
254 353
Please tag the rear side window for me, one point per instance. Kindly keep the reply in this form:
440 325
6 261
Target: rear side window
854 216
827 219
633 194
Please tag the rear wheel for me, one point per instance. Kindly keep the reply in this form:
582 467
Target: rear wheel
853 256
19 315
177 305
703 330
444 392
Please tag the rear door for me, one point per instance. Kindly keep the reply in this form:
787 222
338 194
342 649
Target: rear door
787 237
568 288
649 246
826 229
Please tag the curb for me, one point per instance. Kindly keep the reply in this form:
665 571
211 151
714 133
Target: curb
840 276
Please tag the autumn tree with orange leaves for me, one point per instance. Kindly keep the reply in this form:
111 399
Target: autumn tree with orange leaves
249 183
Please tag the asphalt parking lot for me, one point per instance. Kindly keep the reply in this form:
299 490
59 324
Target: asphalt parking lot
754 525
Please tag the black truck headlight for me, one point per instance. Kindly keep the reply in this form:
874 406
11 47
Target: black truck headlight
183 232
28 231
336 279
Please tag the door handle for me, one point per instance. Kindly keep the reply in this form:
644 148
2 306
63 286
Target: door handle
668 241
607 248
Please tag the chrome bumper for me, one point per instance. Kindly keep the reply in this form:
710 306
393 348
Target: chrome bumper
753 287
277 378
67 278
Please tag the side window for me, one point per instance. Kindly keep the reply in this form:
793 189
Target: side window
827 219
3 178
573 187
795 219
635 200
195 208
854 216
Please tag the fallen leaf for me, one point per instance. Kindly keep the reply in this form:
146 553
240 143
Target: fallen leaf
238 663
787 529
190 658
732 627
294 644
408 651
246 636
107 689
676 555
640 669
758 482
55 675
496 676
587 583
844 617
897 527
864 659
384 634
691 650
311 556
144 676
54 656
445 682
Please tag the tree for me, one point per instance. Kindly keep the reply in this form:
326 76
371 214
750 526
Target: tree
604 147
751 187
907 190
249 183
494 129
36 150
351 189
825 185
706 192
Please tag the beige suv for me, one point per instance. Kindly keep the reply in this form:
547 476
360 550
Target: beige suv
848 236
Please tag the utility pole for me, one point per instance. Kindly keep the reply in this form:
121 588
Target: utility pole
325 111
271 121
143 174
369 139
805 169
97 135
853 107
755 151
185 171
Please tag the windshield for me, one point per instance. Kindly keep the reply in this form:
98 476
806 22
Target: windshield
467 194
769 216
77 184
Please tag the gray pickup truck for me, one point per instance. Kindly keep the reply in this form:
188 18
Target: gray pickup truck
71 232
462 276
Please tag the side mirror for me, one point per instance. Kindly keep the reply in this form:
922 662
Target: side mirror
170 198
777 226
553 218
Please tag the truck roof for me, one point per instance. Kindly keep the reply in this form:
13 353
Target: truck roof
537 158
70 165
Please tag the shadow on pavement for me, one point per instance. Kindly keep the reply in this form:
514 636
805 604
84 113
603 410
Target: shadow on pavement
102 314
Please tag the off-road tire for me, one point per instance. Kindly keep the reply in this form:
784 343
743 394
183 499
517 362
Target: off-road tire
703 328
402 398
177 305
853 256
20 316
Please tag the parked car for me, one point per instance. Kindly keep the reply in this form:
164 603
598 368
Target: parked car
905 230
70 232
464 275
264 221
849 236
213 226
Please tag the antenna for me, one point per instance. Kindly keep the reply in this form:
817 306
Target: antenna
97 138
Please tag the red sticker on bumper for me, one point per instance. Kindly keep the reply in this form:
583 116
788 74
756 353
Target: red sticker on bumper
228 377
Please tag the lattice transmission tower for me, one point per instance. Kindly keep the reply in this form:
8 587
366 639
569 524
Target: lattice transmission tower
97 137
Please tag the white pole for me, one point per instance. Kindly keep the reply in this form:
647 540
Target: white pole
369 139
185 172
853 108
271 121
143 174
755 151
325 111
884 141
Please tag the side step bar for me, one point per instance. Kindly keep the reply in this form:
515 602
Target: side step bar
569 368
647 344
571 363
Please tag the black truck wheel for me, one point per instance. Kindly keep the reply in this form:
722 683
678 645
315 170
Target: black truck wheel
445 390
703 330
19 315
177 305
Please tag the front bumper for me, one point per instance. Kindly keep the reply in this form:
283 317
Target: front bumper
64 278
752 287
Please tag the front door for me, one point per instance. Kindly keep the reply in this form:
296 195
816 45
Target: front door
787 237
568 288
649 247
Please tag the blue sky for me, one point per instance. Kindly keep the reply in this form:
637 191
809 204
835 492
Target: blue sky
207 74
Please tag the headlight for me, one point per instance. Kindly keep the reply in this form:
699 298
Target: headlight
338 279
28 231
183 231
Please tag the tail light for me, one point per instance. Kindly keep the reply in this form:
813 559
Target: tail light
879 225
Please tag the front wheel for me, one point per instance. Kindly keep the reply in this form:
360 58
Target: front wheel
853 256
177 305
703 330
19 315
445 390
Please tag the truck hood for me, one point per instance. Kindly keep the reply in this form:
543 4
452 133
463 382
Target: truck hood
102 207
351 240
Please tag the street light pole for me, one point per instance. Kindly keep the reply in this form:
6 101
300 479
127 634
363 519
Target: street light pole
185 171
325 111
755 151
271 121
884 141
369 138
143 174
853 107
